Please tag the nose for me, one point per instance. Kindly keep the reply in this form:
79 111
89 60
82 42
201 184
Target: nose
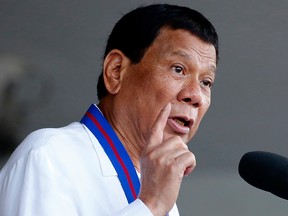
192 95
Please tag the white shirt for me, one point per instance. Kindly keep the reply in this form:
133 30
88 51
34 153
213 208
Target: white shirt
64 172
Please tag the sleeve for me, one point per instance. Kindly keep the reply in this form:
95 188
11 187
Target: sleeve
140 209
135 208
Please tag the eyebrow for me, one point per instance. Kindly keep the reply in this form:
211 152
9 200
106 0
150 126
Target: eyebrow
188 57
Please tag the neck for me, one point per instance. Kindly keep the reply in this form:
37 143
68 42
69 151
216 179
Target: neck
124 134
132 150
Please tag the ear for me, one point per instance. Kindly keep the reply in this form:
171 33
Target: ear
114 66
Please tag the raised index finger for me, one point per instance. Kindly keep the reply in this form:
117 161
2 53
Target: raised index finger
156 135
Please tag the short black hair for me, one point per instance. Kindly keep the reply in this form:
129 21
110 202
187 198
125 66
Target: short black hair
135 32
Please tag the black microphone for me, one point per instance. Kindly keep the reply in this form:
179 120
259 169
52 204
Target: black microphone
266 171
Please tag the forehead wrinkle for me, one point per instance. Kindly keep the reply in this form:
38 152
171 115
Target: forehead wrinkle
182 54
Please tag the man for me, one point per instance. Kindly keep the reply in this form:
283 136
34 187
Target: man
129 154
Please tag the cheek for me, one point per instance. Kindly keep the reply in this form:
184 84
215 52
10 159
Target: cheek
203 109
167 89
201 113
158 90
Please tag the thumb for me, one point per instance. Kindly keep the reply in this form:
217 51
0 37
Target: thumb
156 135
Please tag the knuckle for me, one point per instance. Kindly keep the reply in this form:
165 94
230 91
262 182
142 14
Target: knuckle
177 140
192 158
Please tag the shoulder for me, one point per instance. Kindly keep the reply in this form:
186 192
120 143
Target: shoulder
49 141
43 136
48 136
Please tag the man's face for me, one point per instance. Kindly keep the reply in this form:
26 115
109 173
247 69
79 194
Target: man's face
178 68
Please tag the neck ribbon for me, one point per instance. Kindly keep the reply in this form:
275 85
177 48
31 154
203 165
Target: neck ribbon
102 130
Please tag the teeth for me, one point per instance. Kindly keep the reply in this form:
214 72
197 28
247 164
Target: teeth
179 122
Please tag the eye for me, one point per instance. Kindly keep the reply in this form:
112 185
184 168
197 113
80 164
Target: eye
178 69
207 83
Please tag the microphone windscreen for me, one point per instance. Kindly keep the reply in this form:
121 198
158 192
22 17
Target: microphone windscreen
266 171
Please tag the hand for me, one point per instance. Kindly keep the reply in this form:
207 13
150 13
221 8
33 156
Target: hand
163 163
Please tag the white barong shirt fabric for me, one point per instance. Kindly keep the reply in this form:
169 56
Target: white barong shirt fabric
64 172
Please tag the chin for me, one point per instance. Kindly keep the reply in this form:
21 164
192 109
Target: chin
185 137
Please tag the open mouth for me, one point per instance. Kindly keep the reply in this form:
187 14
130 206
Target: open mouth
180 124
